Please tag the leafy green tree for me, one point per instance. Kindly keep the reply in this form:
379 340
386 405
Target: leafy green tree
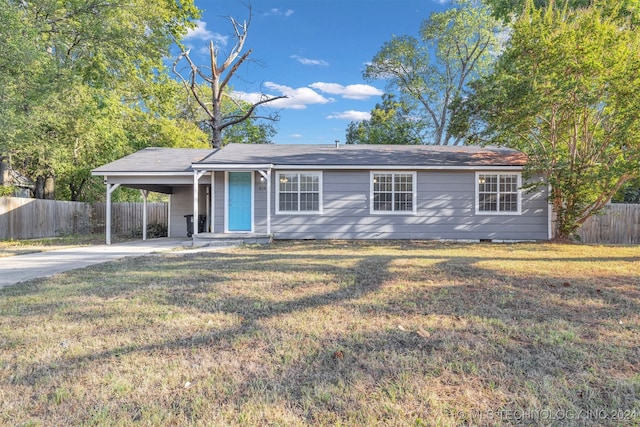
455 47
566 93
507 10
629 193
73 82
391 123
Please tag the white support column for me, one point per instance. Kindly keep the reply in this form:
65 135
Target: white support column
196 177
267 176
110 189
269 201
145 194
213 202
169 217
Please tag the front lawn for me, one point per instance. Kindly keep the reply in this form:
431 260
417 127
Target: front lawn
330 333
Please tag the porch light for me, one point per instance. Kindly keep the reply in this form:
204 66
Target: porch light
481 180
263 179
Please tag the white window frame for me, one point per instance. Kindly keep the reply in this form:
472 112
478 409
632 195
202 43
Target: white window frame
299 173
414 188
498 212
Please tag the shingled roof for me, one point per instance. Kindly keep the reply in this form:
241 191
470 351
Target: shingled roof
365 155
180 160
155 159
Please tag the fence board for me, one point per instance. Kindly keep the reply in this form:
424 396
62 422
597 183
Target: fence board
618 224
24 218
127 216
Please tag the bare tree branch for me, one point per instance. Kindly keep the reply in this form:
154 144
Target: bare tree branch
218 78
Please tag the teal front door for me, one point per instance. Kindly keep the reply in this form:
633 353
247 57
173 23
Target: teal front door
239 204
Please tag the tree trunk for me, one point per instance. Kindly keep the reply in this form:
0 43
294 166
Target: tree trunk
44 187
49 187
39 191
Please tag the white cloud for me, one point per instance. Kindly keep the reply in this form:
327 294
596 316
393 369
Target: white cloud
201 33
351 115
279 12
357 91
308 61
296 135
297 98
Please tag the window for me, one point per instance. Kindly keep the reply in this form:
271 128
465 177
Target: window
498 193
299 192
393 192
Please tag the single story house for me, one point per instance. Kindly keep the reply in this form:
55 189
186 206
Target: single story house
341 191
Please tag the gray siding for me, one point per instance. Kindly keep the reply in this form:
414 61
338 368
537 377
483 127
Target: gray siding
445 210
182 204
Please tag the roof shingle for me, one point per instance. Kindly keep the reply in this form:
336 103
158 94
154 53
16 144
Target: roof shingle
167 160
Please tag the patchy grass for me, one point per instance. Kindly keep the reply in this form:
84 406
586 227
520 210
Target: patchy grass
330 333
21 247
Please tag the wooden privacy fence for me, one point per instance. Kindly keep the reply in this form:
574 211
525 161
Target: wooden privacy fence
126 217
619 224
23 218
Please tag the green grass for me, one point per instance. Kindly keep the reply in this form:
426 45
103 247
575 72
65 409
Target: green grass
330 333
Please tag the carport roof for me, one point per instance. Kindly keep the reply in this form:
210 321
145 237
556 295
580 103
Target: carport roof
155 159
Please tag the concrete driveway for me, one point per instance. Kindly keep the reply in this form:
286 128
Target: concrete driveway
20 268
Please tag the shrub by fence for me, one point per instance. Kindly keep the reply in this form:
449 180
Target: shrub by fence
23 218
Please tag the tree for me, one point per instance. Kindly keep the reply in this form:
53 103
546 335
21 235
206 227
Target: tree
70 72
391 123
565 93
455 47
508 10
249 131
217 77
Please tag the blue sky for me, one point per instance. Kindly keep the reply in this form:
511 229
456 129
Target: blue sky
313 51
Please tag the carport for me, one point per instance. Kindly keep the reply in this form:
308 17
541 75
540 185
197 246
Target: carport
160 170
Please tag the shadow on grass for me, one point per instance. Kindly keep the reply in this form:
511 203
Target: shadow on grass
523 335
368 275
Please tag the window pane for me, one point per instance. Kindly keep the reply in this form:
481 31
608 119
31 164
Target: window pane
382 202
487 202
309 182
382 182
508 183
403 202
509 202
309 202
404 182
488 183
288 201
288 182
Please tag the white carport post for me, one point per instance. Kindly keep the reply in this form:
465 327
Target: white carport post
267 176
196 177
213 202
110 189
145 194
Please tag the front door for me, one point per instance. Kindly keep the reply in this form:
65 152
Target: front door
239 210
